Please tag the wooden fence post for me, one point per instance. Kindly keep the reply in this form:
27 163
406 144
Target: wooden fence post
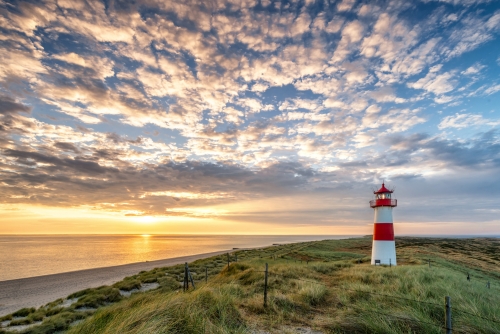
206 274
265 287
190 277
186 284
227 261
447 301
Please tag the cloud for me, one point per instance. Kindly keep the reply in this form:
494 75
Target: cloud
435 83
9 106
461 121
386 94
345 5
474 69
162 107
493 89
351 34
472 32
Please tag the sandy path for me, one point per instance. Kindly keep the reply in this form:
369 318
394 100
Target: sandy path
40 290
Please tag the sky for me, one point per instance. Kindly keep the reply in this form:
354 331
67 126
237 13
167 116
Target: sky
249 116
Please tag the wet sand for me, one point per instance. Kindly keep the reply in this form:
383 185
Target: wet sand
40 290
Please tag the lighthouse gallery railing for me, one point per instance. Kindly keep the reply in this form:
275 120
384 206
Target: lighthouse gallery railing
383 202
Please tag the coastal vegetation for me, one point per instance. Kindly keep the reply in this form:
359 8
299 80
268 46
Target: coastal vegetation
326 286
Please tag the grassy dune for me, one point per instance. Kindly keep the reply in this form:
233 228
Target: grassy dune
328 286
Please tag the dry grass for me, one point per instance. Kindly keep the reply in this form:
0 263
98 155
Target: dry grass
334 293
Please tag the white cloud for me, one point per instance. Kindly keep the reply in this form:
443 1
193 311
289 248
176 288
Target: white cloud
373 109
443 99
474 69
345 5
395 120
472 32
260 87
351 33
434 83
493 89
461 121
386 94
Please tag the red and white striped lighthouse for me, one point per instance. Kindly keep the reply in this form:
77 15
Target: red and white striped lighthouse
384 247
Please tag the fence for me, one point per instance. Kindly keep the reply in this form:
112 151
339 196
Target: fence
448 310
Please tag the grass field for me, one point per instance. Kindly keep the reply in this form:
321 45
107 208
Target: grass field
325 286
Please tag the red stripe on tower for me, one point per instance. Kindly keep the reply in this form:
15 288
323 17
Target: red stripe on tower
383 231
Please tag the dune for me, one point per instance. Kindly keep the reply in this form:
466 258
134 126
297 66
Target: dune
37 291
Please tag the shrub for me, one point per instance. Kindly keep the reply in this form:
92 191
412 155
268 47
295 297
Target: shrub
59 322
99 297
128 285
168 284
23 312
53 311
18 322
6 317
38 315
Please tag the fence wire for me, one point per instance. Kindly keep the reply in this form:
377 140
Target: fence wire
361 291
385 295
381 295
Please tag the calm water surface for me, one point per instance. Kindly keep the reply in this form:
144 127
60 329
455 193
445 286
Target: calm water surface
35 255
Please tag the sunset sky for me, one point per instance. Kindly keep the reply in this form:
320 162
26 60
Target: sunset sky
249 117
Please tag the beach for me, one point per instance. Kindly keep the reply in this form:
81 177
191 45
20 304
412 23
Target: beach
37 291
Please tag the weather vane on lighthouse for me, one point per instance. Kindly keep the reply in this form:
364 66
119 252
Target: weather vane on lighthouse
384 247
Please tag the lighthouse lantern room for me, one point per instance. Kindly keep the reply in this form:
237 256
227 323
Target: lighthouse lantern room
384 247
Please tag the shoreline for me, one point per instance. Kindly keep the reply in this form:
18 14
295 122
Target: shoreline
39 290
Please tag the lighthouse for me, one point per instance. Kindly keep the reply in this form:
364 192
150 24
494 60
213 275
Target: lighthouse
384 247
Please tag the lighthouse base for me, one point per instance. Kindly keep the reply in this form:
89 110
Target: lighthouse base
385 252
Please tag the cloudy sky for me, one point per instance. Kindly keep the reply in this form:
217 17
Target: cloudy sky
250 116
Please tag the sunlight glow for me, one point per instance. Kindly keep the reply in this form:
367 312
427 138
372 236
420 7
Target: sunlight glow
145 219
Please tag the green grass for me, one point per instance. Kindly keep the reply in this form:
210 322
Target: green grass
333 293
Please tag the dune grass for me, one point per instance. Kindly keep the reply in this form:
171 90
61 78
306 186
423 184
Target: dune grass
338 291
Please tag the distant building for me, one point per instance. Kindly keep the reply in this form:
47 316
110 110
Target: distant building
384 247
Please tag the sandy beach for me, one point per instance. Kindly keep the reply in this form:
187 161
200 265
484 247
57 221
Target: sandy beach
40 290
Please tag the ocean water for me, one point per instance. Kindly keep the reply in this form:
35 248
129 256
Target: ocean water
35 255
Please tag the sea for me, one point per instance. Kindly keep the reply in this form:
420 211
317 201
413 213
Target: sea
36 255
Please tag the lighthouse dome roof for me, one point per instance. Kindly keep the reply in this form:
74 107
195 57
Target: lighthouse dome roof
383 189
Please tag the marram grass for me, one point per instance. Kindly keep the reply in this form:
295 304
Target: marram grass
336 292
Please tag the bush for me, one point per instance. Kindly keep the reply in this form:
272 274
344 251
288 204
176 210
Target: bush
168 284
53 311
80 293
19 322
99 297
6 317
24 312
128 285
38 315
59 322
149 279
